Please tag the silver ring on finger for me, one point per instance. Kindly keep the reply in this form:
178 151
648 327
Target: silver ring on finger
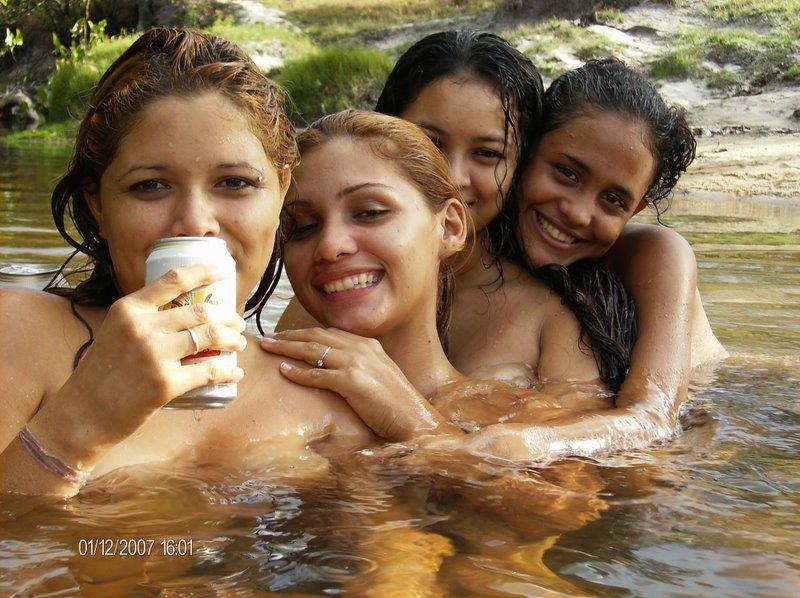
195 341
321 360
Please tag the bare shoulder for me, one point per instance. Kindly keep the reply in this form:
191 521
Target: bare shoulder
650 239
30 321
35 341
291 407
642 249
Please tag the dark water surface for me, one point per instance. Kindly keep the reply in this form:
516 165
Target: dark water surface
716 512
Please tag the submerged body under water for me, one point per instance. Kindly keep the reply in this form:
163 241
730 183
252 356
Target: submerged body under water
715 510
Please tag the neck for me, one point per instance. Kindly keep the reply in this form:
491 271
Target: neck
481 269
416 349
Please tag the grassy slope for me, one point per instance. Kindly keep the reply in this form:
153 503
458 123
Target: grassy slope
750 42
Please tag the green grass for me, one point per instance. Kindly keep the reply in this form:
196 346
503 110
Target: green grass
330 22
254 35
50 134
70 86
540 40
762 57
610 15
767 11
334 79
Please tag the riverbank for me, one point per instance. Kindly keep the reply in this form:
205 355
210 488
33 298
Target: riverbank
733 65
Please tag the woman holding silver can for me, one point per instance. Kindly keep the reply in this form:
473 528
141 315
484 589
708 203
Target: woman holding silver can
184 137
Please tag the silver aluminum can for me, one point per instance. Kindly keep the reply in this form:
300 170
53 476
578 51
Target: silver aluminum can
174 252
29 276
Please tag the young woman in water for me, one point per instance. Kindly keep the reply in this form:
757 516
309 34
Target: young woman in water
183 137
609 147
478 98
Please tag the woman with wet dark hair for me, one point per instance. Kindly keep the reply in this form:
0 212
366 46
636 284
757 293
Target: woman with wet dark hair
609 146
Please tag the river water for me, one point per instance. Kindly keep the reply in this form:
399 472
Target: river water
717 511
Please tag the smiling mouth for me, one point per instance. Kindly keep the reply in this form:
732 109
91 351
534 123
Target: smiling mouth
554 232
349 283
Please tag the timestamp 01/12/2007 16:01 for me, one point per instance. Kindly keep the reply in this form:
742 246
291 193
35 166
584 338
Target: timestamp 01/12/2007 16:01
133 547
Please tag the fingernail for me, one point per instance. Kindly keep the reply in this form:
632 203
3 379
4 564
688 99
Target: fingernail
286 367
267 339
240 373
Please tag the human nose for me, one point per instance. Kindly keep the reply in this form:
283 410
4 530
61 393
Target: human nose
459 171
195 216
576 210
335 241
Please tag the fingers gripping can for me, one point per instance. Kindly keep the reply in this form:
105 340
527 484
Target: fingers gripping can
174 252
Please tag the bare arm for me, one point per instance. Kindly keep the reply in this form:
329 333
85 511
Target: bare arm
659 269
130 371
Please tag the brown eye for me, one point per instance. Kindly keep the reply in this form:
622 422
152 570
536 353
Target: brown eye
149 186
567 173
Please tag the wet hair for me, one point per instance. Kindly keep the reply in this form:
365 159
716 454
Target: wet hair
605 310
609 85
162 62
490 58
407 147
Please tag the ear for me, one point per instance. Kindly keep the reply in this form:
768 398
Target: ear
454 228
642 205
91 191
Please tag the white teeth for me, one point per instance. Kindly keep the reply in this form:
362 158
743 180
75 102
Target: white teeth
553 231
358 281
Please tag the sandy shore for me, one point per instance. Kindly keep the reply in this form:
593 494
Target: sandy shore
747 145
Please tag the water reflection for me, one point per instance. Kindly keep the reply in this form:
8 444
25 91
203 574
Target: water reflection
717 510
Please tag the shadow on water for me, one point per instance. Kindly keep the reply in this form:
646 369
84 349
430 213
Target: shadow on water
716 510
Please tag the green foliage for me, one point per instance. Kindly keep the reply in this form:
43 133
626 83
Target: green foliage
609 15
70 86
732 11
253 36
334 79
335 21
724 79
51 134
84 35
762 57
13 39
679 64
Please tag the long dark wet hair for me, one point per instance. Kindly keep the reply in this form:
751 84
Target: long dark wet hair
490 58
162 62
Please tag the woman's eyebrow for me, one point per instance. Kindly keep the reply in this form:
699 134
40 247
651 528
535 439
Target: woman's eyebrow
490 139
158 167
433 128
358 187
246 165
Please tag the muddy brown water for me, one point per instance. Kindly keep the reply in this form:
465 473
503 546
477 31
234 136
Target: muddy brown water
715 511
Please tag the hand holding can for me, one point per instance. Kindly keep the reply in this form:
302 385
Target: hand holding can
175 252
